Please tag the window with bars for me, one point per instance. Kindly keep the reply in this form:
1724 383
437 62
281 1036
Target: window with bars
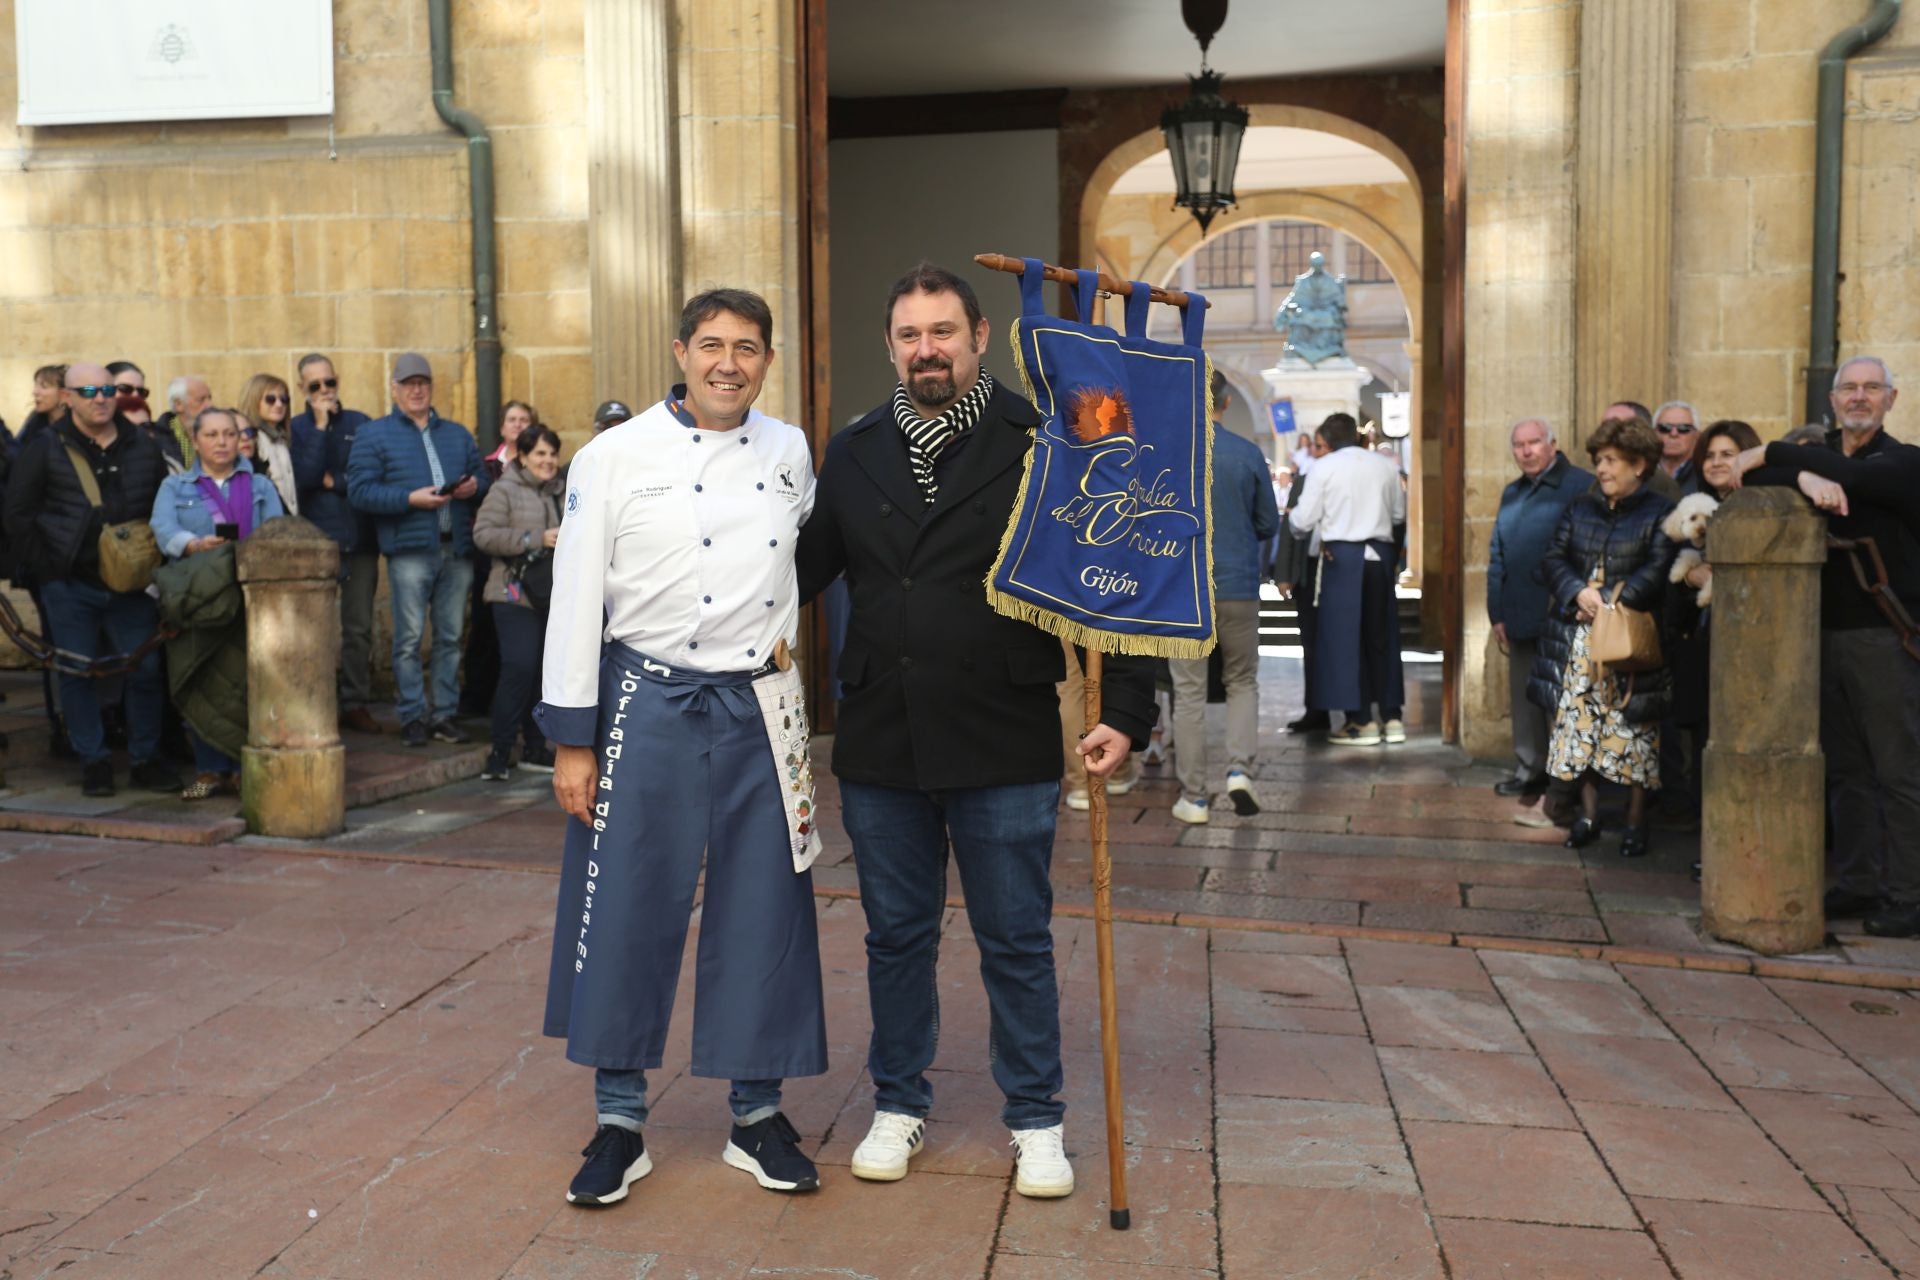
1363 267
1230 260
1227 262
1293 243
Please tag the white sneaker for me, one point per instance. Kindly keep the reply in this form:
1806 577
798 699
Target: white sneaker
1156 753
1120 786
893 1140
1077 800
1185 810
1395 731
1356 735
1240 792
1041 1168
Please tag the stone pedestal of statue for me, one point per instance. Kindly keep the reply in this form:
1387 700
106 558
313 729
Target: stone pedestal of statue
293 770
1762 839
1332 386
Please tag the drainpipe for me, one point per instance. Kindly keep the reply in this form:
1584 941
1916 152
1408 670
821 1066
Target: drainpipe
486 320
1823 348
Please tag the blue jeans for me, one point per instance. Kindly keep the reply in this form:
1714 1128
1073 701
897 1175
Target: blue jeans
620 1098
1003 844
77 612
208 758
430 580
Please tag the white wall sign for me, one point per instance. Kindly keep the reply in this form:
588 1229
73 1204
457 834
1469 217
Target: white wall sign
1396 414
95 61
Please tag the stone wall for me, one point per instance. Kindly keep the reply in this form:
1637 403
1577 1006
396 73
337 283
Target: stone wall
1742 212
233 247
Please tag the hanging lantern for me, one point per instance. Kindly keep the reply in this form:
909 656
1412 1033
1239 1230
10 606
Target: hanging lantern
1204 132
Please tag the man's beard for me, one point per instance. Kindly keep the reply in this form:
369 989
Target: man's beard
931 384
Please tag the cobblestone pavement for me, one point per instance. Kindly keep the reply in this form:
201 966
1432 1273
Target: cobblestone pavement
250 1059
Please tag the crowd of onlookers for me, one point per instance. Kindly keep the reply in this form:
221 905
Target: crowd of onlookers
120 522
1601 596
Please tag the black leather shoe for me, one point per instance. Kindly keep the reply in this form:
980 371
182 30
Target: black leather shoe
1312 722
1518 787
1845 904
1634 843
1585 832
1895 920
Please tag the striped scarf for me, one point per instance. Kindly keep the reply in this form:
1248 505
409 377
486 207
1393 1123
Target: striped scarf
927 437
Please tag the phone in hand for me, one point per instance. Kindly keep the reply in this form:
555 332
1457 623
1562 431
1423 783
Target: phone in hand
446 490
228 530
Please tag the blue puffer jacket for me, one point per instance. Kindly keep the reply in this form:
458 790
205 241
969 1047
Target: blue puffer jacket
1625 537
389 462
1529 512
319 454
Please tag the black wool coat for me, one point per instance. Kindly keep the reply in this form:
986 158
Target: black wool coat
940 691
1627 538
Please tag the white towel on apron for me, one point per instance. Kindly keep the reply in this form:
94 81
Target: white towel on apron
783 707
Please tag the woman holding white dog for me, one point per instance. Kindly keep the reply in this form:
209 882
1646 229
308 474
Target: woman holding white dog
1608 551
1692 577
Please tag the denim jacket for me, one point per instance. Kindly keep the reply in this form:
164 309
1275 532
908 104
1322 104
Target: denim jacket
181 513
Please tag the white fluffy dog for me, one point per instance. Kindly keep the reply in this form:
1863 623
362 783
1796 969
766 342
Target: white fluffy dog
1687 524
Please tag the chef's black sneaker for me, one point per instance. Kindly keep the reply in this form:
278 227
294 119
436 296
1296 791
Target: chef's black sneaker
616 1159
768 1150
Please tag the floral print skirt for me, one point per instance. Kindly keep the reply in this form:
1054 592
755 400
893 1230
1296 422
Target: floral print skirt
1589 731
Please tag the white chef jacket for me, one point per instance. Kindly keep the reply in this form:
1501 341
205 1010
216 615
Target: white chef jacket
678 542
1351 495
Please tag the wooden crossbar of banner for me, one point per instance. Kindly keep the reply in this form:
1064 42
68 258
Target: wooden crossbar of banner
1119 1216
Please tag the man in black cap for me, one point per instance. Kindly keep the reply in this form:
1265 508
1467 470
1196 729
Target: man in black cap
611 413
421 478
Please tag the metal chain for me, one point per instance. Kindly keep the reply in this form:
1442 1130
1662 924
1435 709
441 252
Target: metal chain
67 662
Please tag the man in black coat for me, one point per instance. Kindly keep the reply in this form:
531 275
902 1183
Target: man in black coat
949 728
53 529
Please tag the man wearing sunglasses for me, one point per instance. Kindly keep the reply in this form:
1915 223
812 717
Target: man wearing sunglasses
1679 428
323 438
53 528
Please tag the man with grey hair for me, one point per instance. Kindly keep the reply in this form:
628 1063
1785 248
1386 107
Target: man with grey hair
1530 508
1679 427
1869 655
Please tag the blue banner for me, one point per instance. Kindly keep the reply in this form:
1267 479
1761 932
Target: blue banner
1282 411
1110 542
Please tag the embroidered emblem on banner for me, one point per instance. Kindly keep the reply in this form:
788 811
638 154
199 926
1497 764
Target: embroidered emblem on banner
1110 542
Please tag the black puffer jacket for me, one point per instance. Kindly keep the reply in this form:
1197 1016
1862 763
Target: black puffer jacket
1627 538
52 529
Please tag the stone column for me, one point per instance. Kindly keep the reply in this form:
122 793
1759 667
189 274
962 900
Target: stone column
1762 839
633 233
293 770
1623 251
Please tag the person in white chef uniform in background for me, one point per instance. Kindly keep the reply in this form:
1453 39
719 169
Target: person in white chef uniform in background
679 732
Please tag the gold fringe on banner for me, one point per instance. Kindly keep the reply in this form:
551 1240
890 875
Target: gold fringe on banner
1090 637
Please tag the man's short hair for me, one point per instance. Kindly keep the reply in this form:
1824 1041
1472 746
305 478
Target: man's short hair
1886 374
1542 423
1339 430
1637 407
1692 412
1630 437
119 367
312 357
745 303
928 278
177 390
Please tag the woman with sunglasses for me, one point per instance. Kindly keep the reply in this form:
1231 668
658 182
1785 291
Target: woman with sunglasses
220 499
268 407
130 402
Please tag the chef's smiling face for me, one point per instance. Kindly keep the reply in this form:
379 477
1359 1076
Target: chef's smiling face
724 363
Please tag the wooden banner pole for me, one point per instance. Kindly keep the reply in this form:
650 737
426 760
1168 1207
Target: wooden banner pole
1119 1216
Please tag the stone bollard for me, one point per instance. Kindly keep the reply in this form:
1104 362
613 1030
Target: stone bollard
1763 841
293 771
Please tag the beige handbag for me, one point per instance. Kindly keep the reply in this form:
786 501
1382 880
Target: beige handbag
129 553
1624 640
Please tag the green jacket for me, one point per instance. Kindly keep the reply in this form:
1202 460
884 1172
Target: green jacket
200 600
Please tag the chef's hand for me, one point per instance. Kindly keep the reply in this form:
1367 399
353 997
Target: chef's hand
573 776
1104 748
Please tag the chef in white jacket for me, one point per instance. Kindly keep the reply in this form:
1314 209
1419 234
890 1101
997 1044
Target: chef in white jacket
679 733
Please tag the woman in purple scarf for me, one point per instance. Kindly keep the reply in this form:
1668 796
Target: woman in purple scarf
218 500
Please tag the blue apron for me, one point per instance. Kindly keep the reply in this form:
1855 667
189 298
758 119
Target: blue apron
685 770
1357 654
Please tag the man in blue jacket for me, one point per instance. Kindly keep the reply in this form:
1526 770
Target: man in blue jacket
1530 508
1245 515
322 442
421 479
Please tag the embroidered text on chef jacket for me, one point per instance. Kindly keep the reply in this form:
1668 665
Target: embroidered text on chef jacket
678 542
